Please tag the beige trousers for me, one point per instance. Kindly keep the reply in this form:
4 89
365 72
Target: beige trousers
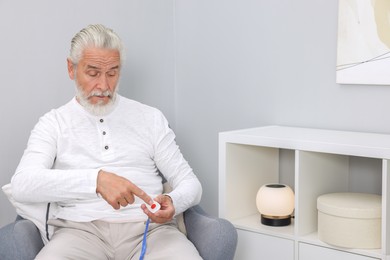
117 241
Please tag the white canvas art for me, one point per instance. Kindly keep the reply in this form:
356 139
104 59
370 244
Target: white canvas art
363 47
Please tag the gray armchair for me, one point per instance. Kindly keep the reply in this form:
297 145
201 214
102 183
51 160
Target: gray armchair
215 238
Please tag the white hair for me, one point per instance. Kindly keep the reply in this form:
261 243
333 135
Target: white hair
97 36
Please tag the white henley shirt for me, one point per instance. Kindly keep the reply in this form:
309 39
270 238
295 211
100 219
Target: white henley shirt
68 146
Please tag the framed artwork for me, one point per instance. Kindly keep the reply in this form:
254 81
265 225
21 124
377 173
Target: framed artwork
363 43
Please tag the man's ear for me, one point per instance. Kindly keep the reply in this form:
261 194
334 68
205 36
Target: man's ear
71 69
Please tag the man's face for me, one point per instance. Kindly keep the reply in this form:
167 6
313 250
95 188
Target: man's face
96 75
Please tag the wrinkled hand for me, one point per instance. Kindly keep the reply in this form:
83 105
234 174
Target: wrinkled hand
119 191
166 212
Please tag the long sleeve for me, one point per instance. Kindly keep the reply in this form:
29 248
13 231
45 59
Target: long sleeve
187 190
35 180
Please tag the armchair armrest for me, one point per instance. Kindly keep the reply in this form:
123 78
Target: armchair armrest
214 238
20 240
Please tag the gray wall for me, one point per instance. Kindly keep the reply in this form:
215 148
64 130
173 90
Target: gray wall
210 65
248 63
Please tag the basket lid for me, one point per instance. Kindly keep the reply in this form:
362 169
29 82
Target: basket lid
350 205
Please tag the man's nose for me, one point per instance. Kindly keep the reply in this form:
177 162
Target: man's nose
103 83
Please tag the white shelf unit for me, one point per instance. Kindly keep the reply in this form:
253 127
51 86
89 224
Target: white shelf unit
312 162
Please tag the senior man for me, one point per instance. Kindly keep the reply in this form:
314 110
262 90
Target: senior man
99 159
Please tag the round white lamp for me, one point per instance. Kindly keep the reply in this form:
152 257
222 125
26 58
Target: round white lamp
275 203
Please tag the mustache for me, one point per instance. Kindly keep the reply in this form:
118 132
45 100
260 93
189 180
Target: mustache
97 93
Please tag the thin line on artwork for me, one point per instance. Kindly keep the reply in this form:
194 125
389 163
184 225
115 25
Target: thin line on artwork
350 65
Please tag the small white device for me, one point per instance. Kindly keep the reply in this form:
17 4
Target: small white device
154 207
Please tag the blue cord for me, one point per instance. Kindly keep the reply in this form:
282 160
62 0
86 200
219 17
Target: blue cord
143 251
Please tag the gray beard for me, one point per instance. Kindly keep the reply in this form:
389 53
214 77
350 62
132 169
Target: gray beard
98 109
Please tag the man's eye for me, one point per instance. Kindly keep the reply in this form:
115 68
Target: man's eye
93 73
112 73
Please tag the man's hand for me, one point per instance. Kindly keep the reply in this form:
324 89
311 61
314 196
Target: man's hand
118 191
166 212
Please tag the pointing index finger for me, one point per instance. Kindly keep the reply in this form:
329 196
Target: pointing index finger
142 195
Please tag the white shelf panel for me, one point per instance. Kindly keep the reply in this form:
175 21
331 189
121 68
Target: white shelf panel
316 140
310 252
252 223
313 239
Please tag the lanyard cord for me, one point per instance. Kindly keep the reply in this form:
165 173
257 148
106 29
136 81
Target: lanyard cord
143 251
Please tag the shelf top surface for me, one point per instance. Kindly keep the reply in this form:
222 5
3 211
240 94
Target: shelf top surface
320 140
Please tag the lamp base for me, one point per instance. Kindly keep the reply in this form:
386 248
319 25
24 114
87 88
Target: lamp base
275 221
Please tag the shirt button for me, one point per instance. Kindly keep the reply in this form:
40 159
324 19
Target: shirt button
101 120
106 147
104 133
